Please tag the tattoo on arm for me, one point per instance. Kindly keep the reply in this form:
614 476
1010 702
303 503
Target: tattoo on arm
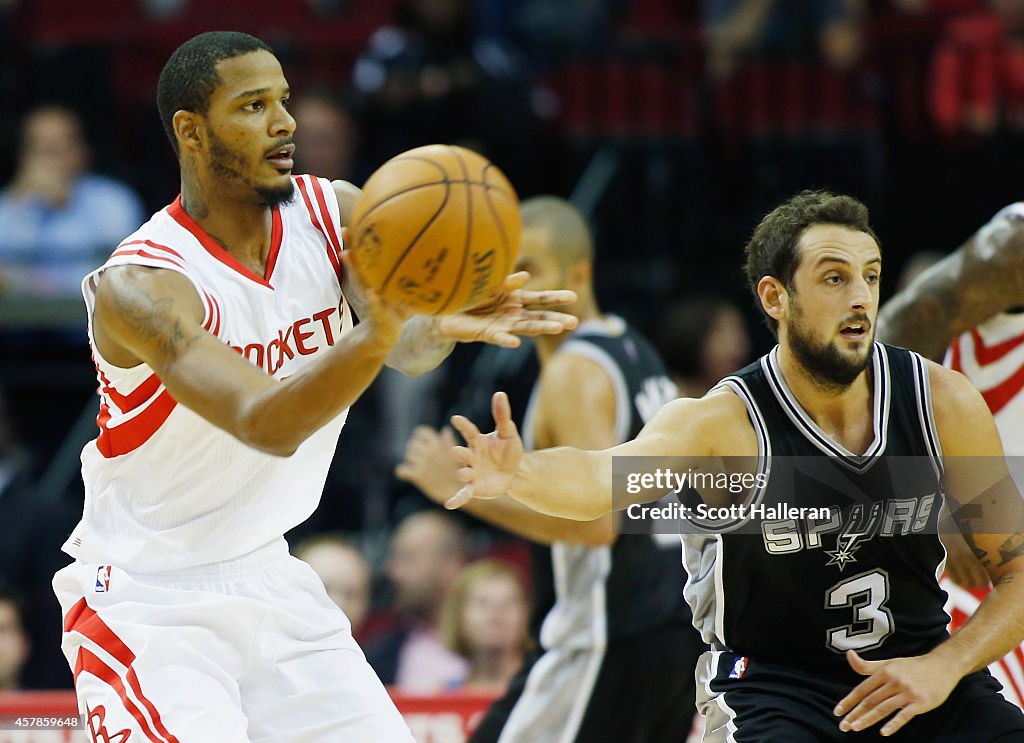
420 347
921 319
983 277
1011 549
968 533
1002 581
156 325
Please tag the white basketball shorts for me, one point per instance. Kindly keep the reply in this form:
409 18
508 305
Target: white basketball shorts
247 650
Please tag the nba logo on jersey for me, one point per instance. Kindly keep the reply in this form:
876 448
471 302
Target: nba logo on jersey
739 667
102 579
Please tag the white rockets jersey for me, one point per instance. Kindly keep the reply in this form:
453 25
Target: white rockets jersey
164 488
992 357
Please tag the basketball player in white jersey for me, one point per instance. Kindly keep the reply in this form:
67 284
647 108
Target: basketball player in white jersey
970 305
223 337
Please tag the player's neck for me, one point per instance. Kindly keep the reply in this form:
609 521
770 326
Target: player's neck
585 309
242 229
842 413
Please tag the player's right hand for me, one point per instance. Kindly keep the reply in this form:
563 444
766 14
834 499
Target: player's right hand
490 461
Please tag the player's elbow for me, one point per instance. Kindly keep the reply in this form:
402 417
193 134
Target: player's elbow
589 512
283 449
270 443
410 366
263 432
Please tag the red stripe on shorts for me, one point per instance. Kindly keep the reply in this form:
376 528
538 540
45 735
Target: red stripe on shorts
84 620
90 663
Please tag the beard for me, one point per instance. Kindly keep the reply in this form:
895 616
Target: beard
829 368
277 196
229 166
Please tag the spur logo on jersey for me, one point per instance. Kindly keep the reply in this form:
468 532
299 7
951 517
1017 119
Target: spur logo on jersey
102 579
852 527
739 667
303 337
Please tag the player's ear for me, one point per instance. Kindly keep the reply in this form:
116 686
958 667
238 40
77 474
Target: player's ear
187 128
774 297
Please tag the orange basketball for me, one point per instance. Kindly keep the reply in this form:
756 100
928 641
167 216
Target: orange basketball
436 227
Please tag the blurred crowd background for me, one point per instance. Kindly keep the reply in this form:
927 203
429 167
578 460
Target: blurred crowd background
673 124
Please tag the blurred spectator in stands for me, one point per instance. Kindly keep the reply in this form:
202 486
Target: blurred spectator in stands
427 79
14 642
57 220
326 137
344 572
162 10
30 553
806 30
428 551
484 620
550 29
936 6
702 340
977 76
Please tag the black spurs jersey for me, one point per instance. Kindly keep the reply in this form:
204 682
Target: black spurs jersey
608 592
863 572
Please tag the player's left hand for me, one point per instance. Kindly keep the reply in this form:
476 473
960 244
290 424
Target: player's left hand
511 313
489 461
906 686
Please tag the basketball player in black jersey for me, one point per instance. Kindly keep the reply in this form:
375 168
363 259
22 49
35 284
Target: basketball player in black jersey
618 646
822 629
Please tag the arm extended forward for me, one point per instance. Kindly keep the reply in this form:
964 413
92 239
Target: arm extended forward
575 484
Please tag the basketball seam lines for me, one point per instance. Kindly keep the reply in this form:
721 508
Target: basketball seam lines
494 212
469 231
412 244
444 182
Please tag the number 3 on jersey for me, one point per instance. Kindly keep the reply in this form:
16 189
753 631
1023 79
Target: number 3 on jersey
866 595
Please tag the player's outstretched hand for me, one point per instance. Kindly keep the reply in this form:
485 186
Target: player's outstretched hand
906 686
489 461
511 313
429 463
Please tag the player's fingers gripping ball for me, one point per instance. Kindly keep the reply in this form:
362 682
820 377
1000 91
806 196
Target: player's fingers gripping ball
436 228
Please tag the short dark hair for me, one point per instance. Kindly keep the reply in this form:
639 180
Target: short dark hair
190 76
772 250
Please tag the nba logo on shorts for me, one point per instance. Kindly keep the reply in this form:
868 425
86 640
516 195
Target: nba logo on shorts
102 579
739 667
